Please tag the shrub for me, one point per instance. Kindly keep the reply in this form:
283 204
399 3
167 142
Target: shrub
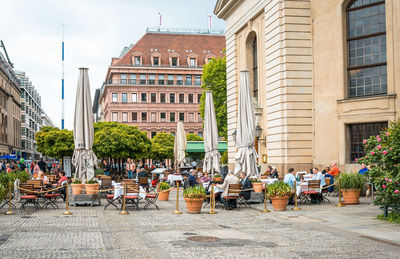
194 192
77 181
164 186
278 188
351 181
92 181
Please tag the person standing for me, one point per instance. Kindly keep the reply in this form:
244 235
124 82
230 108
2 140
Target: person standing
194 164
290 179
22 165
106 167
42 165
130 168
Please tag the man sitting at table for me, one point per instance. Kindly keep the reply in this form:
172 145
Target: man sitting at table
331 174
229 179
318 176
245 184
290 179
142 173
192 178
363 169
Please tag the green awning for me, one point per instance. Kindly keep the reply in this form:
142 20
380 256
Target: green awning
198 146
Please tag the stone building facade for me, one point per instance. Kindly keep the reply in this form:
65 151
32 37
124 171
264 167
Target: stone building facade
156 82
324 73
10 108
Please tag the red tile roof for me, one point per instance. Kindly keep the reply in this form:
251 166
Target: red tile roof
165 44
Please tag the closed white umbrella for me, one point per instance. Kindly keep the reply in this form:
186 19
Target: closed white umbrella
246 156
212 156
83 158
180 146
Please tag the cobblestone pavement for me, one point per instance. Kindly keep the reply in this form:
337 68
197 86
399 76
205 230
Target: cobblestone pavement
92 232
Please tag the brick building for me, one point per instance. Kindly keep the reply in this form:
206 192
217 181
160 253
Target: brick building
156 82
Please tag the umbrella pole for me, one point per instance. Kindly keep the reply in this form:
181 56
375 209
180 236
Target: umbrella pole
177 199
212 196
67 201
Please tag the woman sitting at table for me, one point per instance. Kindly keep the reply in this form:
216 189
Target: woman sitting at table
205 178
63 179
42 177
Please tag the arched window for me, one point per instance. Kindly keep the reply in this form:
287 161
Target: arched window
366 38
255 69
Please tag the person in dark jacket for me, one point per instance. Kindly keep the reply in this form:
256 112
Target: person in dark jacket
246 184
274 173
192 178
142 173
106 168
42 165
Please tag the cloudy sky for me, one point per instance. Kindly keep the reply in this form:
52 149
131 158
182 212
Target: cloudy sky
95 31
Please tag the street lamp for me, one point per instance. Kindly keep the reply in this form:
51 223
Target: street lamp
258 131
234 135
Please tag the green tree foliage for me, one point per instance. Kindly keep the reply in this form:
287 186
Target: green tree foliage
194 155
193 137
116 140
162 146
383 156
54 142
214 78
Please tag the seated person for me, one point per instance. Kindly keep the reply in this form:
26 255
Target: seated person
326 170
142 173
331 174
42 177
205 180
154 181
63 179
318 176
363 169
192 179
229 179
245 184
274 173
290 179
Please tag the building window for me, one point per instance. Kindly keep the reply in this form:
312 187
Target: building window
200 134
170 80
132 79
134 98
142 79
134 116
152 79
359 132
172 98
174 61
182 116
115 116
190 98
162 98
123 79
143 97
161 79
153 117
144 116
181 98
191 117
199 98
192 62
199 119
197 80
173 133
172 116
153 134
255 70
156 61
162 117
137 60
188 80
124 116
366 41
179 79
114 97
153 98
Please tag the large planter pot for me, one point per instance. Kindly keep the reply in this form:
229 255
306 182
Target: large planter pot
92 188
77 188
258 187
194 205
163 195
351 196
279 202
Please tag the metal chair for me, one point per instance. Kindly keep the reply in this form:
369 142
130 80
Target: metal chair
28 196
232 195
144 182
312 189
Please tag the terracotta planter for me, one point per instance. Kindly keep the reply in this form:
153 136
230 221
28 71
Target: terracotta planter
92 188
279 202
163 195
194 205
351 196
77 188
258 187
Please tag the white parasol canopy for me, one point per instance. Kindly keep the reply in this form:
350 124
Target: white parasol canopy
212 156
246 156
83 158
180 146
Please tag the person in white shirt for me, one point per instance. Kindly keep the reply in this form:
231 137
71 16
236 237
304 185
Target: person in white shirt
318 176
290 179
194 164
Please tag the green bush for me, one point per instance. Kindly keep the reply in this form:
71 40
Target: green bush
77 181
194 192
255 180
92 181
393 217
164 186
351 181
98 172
278 188
23 176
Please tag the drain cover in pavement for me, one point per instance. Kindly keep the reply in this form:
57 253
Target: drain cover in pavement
189 234
207 239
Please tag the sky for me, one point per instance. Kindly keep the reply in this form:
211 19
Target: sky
95 31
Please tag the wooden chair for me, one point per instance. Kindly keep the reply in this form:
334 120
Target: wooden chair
144 182
52 178
132 194
128 181
312 188
233 195
37 184
28 196
264 176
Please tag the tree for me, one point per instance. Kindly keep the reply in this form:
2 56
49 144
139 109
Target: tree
162 146
53 142
194 155
193 137
383 157
214 78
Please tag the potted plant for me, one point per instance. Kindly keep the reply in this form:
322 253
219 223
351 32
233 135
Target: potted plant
257 185
217 178
279 193
92 187
77 186
194 198
351 185
163 194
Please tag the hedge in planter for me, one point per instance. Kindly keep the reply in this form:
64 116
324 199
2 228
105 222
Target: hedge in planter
194 198
351 185
279 193
163 194
383 156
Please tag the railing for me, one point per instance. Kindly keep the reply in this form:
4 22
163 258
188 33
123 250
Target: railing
150 82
